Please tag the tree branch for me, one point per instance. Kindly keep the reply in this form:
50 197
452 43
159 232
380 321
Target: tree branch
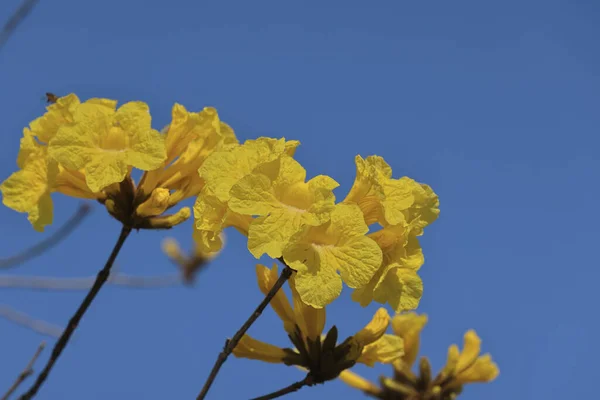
25 373
25 320
230 344
49 242
307 381
61 344
50 283
18 16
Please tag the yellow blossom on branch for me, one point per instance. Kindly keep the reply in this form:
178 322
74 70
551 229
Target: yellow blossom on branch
461 368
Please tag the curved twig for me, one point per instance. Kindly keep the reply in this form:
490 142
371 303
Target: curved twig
53 240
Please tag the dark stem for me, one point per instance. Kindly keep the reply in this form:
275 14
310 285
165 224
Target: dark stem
307 381
25 373
230 344
61 344
41 247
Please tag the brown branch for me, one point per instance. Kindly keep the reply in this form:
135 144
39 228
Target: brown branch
307 381
61 344
230 344
50 283
25 373
25 320
49 242
18 16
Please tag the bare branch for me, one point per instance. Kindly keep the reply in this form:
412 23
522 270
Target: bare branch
230 344
19 15
49 242
62 342
74 284
307 381
25 320
25 373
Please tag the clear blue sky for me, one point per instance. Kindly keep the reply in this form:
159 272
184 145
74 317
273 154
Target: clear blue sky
494 104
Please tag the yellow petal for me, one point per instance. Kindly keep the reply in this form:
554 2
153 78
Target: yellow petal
409 326
374 329
58 114
28 190
319 286
266 279
358 382
470 352
400 287
253 349
386 349
311 320
482 370
223 169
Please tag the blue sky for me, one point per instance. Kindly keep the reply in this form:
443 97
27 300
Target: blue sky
494 104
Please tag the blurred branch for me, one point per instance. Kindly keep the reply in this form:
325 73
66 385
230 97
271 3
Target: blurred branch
48 283
49 242
18 16
230 344
25 320
25 373
307 381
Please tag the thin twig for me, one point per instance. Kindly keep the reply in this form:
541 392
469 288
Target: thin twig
50 283
230 344
49 242
307 381
18 16
25 320
61 344
25 373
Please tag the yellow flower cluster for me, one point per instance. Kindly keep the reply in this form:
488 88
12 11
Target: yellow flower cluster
461 367
88 150
261 190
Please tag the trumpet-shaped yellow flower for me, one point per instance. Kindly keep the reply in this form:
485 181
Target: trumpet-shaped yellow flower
105 142
381 198
28 190
467 366
461 368
318 253
391 201
284 202
304 324
396 281
189 139
221 171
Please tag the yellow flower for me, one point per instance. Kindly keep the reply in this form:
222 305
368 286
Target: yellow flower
189 139
220 172
105 142
283 202
396 281
318 253
467 366
321 356
28 190
408 326
461 368
380 198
